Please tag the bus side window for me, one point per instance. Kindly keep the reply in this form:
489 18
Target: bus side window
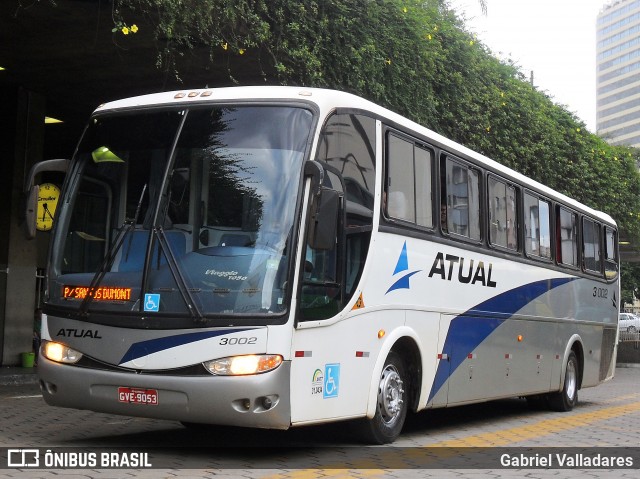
502 214
610 253
461 195
567 237
356 254
409 184
347 143
591 245
347 146
321 289
537 227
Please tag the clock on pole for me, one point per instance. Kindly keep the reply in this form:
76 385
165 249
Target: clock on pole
48 196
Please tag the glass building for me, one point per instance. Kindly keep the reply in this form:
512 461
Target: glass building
618 72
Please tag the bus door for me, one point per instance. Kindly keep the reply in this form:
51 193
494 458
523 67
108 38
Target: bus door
324 379
332 363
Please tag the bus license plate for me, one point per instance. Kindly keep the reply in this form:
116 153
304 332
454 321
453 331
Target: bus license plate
138 396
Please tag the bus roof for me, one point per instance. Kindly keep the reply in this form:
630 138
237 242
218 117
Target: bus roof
328 100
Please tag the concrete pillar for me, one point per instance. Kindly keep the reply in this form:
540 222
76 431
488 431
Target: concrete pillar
8 113
19 288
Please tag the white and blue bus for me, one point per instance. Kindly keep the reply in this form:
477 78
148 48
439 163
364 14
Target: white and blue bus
277 256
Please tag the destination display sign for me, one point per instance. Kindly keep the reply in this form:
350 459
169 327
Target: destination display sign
101 293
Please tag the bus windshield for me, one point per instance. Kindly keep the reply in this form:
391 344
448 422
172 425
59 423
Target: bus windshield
181 212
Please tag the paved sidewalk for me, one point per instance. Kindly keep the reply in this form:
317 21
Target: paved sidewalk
17 376
607 416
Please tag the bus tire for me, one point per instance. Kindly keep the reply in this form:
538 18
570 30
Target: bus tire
537 402
391 403
196 426
566 399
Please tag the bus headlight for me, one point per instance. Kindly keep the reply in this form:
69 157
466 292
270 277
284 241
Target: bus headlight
60 353
243 365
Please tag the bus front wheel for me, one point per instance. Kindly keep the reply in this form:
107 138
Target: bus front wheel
566 399
391 403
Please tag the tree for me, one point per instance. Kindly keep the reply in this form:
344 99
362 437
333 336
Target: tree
630 284
414 57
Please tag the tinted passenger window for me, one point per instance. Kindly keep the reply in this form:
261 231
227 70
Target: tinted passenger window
347 144
611 248
409 187
461 190
591 245
537 229
567 237
502 214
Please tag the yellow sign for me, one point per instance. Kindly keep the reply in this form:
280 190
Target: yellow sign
359 304
48 195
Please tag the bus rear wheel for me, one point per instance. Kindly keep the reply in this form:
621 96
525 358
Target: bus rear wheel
566 399
391 403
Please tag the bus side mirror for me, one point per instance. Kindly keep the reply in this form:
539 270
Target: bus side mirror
323 226
31 191
314 170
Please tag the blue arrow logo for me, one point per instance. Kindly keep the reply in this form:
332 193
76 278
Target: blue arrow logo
402 265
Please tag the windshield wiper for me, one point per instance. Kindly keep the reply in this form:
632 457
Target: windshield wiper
110 257
135 220
176 272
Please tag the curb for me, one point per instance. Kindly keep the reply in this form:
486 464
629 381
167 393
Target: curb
628 365
15 376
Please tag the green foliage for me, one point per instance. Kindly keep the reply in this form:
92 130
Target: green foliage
416 58
630 279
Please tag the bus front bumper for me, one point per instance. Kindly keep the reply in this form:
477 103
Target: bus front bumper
260 400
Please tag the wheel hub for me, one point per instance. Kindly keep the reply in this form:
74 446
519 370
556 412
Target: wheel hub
571 380
390 394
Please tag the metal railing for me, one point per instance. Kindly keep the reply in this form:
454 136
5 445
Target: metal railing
627 336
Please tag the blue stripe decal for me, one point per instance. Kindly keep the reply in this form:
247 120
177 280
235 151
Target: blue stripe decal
144 348
469 329
402 283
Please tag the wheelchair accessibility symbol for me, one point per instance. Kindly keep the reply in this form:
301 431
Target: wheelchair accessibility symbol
152 302
331 381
